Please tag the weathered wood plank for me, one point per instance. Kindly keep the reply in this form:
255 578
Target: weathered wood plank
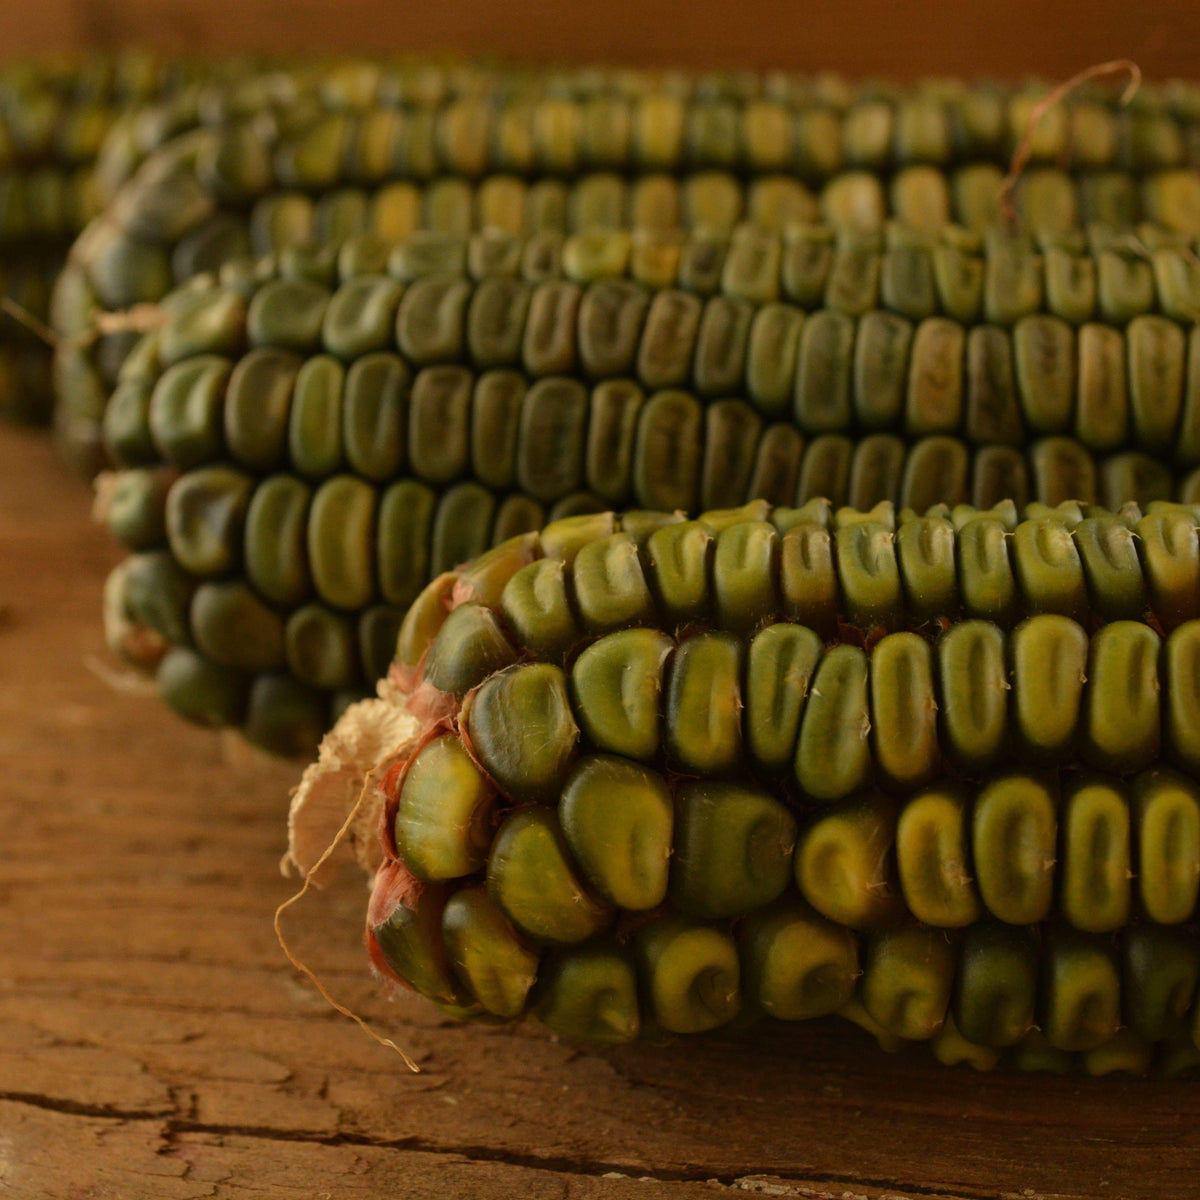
154 1042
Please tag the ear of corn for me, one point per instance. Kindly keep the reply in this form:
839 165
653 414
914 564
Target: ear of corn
362 149
301 459
872 370
685 808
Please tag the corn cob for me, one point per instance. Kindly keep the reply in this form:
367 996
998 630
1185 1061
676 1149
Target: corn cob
647 774
298 463
897 323
501 152
472 121
824 371
284 590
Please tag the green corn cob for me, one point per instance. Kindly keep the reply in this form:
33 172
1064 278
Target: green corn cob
654 811
309 458
476 302
375 150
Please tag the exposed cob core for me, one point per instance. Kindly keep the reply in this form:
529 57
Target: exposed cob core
647 773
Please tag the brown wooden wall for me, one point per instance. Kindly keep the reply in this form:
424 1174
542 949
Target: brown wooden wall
900 38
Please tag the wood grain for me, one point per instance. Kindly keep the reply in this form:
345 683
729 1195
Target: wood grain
898 38
155 1044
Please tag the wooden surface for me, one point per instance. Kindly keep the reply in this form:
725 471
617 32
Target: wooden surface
899 38
155 1044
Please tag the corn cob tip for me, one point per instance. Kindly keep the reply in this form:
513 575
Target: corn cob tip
369 736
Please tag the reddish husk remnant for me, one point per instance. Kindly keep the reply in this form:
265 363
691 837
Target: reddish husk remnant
404 691
394 885
391 783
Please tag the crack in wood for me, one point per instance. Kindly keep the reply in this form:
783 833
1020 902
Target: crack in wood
743 1179
77 1108
735 1178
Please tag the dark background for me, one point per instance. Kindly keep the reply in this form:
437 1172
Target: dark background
898 38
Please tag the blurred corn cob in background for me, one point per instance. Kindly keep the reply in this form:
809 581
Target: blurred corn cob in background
54 119
390 150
